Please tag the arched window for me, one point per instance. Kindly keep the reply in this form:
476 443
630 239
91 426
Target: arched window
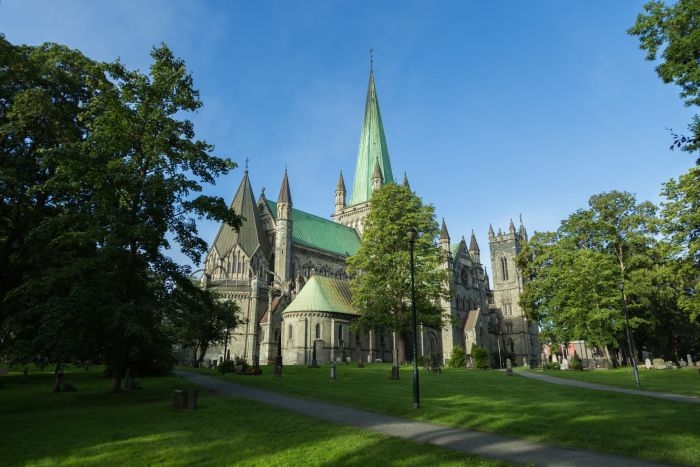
504 268
277 334
318 330
289 332
510 345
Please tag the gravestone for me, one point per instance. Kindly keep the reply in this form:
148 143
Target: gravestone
564 364
690 360
333 372
647 364
509 367
659 363
58 373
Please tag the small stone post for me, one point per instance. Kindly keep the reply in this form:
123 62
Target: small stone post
509 367
333 375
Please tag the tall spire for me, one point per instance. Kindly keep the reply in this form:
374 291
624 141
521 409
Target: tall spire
372 149
405 181
285 195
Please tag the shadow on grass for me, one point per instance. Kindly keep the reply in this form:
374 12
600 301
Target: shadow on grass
95 427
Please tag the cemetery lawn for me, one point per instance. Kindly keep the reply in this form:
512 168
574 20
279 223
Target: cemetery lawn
684 381
490 401
96 427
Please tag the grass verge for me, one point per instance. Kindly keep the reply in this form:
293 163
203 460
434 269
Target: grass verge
96 427
492 402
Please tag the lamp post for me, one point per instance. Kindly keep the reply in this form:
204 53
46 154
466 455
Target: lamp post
629 333
412 235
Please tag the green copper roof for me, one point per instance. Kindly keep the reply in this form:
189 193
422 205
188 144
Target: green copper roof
372 149
319 233
323 294
251 235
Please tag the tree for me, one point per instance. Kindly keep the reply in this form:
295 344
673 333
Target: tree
675 31
380 268
681 215
201 318
575 274
112 183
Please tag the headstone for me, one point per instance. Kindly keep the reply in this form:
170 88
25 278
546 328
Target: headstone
683 363
647 364
659 363
58 373
333 374
690 360
509 367
564 364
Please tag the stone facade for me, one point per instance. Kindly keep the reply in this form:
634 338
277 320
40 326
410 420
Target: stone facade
266 266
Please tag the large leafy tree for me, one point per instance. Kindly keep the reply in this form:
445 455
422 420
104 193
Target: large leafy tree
673 33
580 275
681 215
201 318
113 181
381 267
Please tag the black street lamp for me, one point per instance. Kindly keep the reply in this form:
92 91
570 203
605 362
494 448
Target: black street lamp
621 285
412 235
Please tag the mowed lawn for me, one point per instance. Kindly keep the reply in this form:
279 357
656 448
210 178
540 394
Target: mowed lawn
491 401
96 427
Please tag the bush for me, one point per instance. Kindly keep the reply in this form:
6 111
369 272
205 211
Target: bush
458 359
551 366
575 363
227 366
480 356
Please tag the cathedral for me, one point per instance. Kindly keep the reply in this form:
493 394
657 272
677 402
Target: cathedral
285 268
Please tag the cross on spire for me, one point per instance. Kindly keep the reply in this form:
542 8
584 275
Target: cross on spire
371 59
246 164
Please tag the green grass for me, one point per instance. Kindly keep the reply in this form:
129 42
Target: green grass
96 427
683 381
490 401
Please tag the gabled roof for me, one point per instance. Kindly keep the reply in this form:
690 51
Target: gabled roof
323 294
319 233
372 150
251 234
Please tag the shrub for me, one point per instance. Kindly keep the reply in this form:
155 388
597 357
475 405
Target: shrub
480 356
227 366
458 359
575 363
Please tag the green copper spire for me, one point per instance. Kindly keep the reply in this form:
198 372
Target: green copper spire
372 149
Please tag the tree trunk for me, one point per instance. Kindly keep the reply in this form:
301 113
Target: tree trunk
394 357
117 381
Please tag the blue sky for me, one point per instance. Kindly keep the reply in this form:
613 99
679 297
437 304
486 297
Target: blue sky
493 109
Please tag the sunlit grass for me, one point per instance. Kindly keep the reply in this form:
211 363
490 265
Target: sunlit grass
94 427
679 381
490 401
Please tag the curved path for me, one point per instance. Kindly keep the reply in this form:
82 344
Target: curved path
466 441
600 387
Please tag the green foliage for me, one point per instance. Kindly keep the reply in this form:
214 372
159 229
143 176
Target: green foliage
579 276
381 284
575 363
673 32
99 177
480 356
458 359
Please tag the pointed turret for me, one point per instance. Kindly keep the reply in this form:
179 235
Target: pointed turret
340 194
444 238
474 251
377 177
521 230
511 227
251 234
491 234
405 181
372 150
283 233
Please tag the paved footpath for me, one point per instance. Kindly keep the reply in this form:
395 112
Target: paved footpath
470 442
600 387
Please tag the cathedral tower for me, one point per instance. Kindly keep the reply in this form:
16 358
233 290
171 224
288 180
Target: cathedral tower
372 160
520 335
